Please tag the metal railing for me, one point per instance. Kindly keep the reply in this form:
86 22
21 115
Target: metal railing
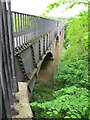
27 27
8 80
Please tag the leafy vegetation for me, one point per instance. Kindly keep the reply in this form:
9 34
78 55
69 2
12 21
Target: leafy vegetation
73 73
69 98
57 3
38 93
70 102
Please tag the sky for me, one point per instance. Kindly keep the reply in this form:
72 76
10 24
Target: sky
36 7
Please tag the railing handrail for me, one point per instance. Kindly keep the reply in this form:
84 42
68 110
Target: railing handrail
34 16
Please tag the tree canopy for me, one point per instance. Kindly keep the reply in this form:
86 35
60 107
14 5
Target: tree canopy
57 3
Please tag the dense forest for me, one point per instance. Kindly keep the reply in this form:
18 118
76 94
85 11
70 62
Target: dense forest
69 97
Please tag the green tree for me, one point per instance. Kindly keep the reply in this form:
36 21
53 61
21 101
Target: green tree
57 3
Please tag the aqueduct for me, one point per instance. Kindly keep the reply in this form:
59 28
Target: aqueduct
25 41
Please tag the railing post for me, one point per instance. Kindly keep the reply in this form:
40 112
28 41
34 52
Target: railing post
43 44
0 68
40 56
3 68
11 41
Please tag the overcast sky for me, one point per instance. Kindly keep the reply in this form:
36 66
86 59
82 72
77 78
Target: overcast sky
36 7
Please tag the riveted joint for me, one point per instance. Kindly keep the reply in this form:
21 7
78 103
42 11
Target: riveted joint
33 57
22 67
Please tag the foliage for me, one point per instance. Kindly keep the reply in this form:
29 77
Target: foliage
57 3
73 69
70 102
77 31
72 73
38 93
